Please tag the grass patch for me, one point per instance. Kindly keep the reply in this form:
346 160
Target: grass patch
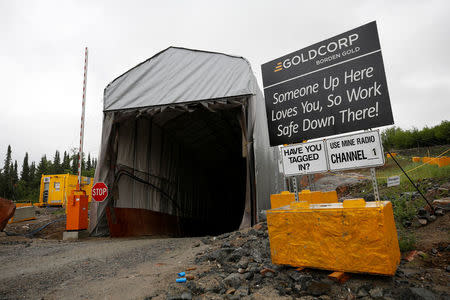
425 171
405 208
406 240
59 212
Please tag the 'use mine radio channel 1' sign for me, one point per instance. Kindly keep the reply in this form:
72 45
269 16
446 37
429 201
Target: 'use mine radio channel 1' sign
362 150
335 86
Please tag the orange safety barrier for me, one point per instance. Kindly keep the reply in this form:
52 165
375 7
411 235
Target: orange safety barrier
393 155
416 159
443 161
426 159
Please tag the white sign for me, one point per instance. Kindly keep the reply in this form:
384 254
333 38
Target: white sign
362 150
393 181
305 158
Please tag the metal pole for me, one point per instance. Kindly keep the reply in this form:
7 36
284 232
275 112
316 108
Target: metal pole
312 185
80 151
375 184
294 183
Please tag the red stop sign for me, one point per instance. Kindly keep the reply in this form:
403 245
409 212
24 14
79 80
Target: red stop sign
99 191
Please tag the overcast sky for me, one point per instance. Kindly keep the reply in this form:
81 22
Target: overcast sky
42 54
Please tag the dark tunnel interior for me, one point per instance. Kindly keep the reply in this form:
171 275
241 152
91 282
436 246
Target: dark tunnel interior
186 174
213 163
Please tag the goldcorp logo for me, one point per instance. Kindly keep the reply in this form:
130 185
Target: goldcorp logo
324 53
278 67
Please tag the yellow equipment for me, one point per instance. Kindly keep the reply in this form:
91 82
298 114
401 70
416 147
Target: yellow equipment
353 236
55 189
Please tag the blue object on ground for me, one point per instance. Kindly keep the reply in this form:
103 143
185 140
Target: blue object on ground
181 274
181 279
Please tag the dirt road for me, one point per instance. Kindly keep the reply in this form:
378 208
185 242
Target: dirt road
91 268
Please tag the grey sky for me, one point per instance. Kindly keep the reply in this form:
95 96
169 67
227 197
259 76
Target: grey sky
42 44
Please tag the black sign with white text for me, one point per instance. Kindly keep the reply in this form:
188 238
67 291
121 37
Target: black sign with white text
335 86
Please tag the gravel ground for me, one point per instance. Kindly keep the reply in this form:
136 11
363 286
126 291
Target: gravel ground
91 268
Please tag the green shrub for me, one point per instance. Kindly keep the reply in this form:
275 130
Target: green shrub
406 240
405 208
397 138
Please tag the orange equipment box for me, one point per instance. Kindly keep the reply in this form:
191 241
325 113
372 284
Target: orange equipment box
353 236
77 211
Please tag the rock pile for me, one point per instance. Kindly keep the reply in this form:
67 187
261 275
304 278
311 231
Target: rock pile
238 266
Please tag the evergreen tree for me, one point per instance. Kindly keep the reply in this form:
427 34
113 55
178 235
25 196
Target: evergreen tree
83 163
74 160
42 167
56 166
15 174
6 182
14 180
66 162
34 183
32 170
88 163
25 174
7 163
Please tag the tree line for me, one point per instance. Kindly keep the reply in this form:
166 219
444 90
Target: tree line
25 185
397 138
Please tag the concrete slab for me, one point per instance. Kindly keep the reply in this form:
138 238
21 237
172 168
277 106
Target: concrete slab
75 235
70 235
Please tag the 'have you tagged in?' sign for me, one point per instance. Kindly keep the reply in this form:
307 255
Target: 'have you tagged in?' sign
362 150
305 158
335 86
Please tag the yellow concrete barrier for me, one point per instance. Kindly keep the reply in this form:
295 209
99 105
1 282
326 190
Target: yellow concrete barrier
318 196
282 199
353 236
286 198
